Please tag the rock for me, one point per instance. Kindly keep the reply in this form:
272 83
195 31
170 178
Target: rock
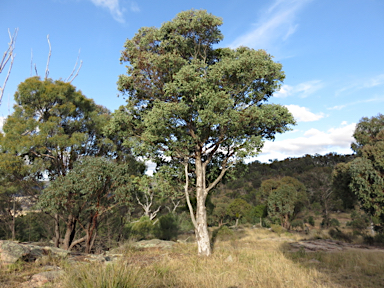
314 261
229 259
11 251
42 278
154 243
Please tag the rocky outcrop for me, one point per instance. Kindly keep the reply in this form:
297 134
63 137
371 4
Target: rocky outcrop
154 243
42 278
11 251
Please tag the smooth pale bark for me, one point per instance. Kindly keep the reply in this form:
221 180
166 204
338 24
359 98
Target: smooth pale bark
201 228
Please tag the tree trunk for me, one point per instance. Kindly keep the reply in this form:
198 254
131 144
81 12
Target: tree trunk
57 231
70 232
201 228
202 235
14 219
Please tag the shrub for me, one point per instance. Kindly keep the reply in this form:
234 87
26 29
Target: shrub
167 227
339 235
334 222
330 223
359 222
266 222
257 212
297 223
224 234
142 229
311 221
316 207
277 229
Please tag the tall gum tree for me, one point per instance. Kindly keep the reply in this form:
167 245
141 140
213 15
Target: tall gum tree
366 172
195 104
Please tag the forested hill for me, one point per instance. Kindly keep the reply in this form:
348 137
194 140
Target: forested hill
314 171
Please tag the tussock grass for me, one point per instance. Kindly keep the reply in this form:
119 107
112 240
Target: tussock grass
255 260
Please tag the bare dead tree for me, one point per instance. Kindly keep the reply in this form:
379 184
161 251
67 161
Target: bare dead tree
49 58
8 56
71 77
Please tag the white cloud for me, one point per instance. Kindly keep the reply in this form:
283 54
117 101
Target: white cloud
113 6
302 90
313 141
361 84
375 81
135 7
339 107
284 91
276 24
302 114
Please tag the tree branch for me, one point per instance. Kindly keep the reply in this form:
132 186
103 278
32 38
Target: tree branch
8 55
69 80
78 241
187 195
49 58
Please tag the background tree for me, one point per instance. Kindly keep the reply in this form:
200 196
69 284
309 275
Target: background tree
195 104
281 204
86 194
18 184
285 197
53 125
237 209
367 170
148 189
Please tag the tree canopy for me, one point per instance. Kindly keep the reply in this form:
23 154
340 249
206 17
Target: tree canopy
367 170
189 101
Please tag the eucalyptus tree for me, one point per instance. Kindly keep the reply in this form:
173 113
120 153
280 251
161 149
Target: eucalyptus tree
367 170
83 198
52 126
195 104
285 198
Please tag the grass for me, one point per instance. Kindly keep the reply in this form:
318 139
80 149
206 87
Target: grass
257 258
260 258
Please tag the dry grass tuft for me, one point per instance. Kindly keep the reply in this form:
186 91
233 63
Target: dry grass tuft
257 258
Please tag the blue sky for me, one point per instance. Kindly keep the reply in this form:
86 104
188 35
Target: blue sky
331 52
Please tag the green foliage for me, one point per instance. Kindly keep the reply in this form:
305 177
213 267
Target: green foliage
53 125
224 234
277 229
339 235
259 211
33 227
297 223
88 192
285 197
238 208
316 207
220 212
142 229
167 227
359 221
281 203
341 178
206 108
367 170
311 221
